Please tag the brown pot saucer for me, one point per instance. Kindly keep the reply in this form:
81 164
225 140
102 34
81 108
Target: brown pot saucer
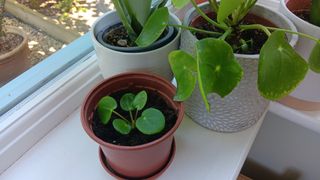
116 175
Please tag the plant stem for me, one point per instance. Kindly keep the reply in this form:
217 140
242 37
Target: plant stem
214 6
297 33
136 114
226 34
255 26
131 116
116 113
195 29
202 14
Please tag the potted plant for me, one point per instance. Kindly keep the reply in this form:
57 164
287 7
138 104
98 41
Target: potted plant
14 50
234 47
132 116
135 37
305 14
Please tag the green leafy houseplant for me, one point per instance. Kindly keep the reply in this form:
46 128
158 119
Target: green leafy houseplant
215 67
151 121
143 23
315 12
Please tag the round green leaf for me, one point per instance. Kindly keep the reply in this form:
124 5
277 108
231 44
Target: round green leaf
184 68
281 69
122 126
314 59
140 100
126 102
152 121
106 106
218 70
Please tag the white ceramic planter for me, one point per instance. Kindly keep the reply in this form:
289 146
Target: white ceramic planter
244 106
307 94
113 62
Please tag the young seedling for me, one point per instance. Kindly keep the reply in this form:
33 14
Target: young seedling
151 121
215 67
143 23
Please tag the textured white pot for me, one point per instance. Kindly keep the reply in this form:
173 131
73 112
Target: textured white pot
113 62
244 106
307 94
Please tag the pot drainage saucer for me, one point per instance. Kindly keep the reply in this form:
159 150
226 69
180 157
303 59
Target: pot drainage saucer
113 173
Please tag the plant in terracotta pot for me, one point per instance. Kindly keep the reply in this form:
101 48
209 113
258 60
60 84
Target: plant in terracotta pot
135 37
305 14
133 117
231 40
13 50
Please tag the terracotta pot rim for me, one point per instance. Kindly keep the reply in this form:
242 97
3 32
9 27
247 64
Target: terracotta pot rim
20 32
157 78
284 5
94 37
292 42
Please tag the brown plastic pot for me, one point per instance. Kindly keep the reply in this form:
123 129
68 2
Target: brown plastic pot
16 61
133 161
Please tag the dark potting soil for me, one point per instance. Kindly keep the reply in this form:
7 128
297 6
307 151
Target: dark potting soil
255 38
9 42
108 134
117 35
303 14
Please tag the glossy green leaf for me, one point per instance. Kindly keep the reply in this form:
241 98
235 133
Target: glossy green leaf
124 17
140 100
226 8
218 70
106 105
154 27
152 121
184 68
281 69
126 102
122 126
315 12
314 59
179 3
139 11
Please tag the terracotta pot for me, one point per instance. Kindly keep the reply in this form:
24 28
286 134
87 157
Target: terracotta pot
16 61
133 161
244 106
307 95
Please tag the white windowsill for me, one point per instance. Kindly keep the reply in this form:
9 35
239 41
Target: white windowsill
68 153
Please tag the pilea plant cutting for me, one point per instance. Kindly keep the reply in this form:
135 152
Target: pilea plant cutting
217 70
151 121
144 24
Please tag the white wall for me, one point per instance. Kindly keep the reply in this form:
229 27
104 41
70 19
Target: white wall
282 145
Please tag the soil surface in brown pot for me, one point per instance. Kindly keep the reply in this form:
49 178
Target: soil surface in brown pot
254 38
303 14
108 134
9 42
117 36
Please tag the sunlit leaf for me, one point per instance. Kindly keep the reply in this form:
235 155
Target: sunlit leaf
126 102
184 68
152 121
122 126
226 8
139 11
218 70
105 108
281 69
179 3
140 100
314 59
154 27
